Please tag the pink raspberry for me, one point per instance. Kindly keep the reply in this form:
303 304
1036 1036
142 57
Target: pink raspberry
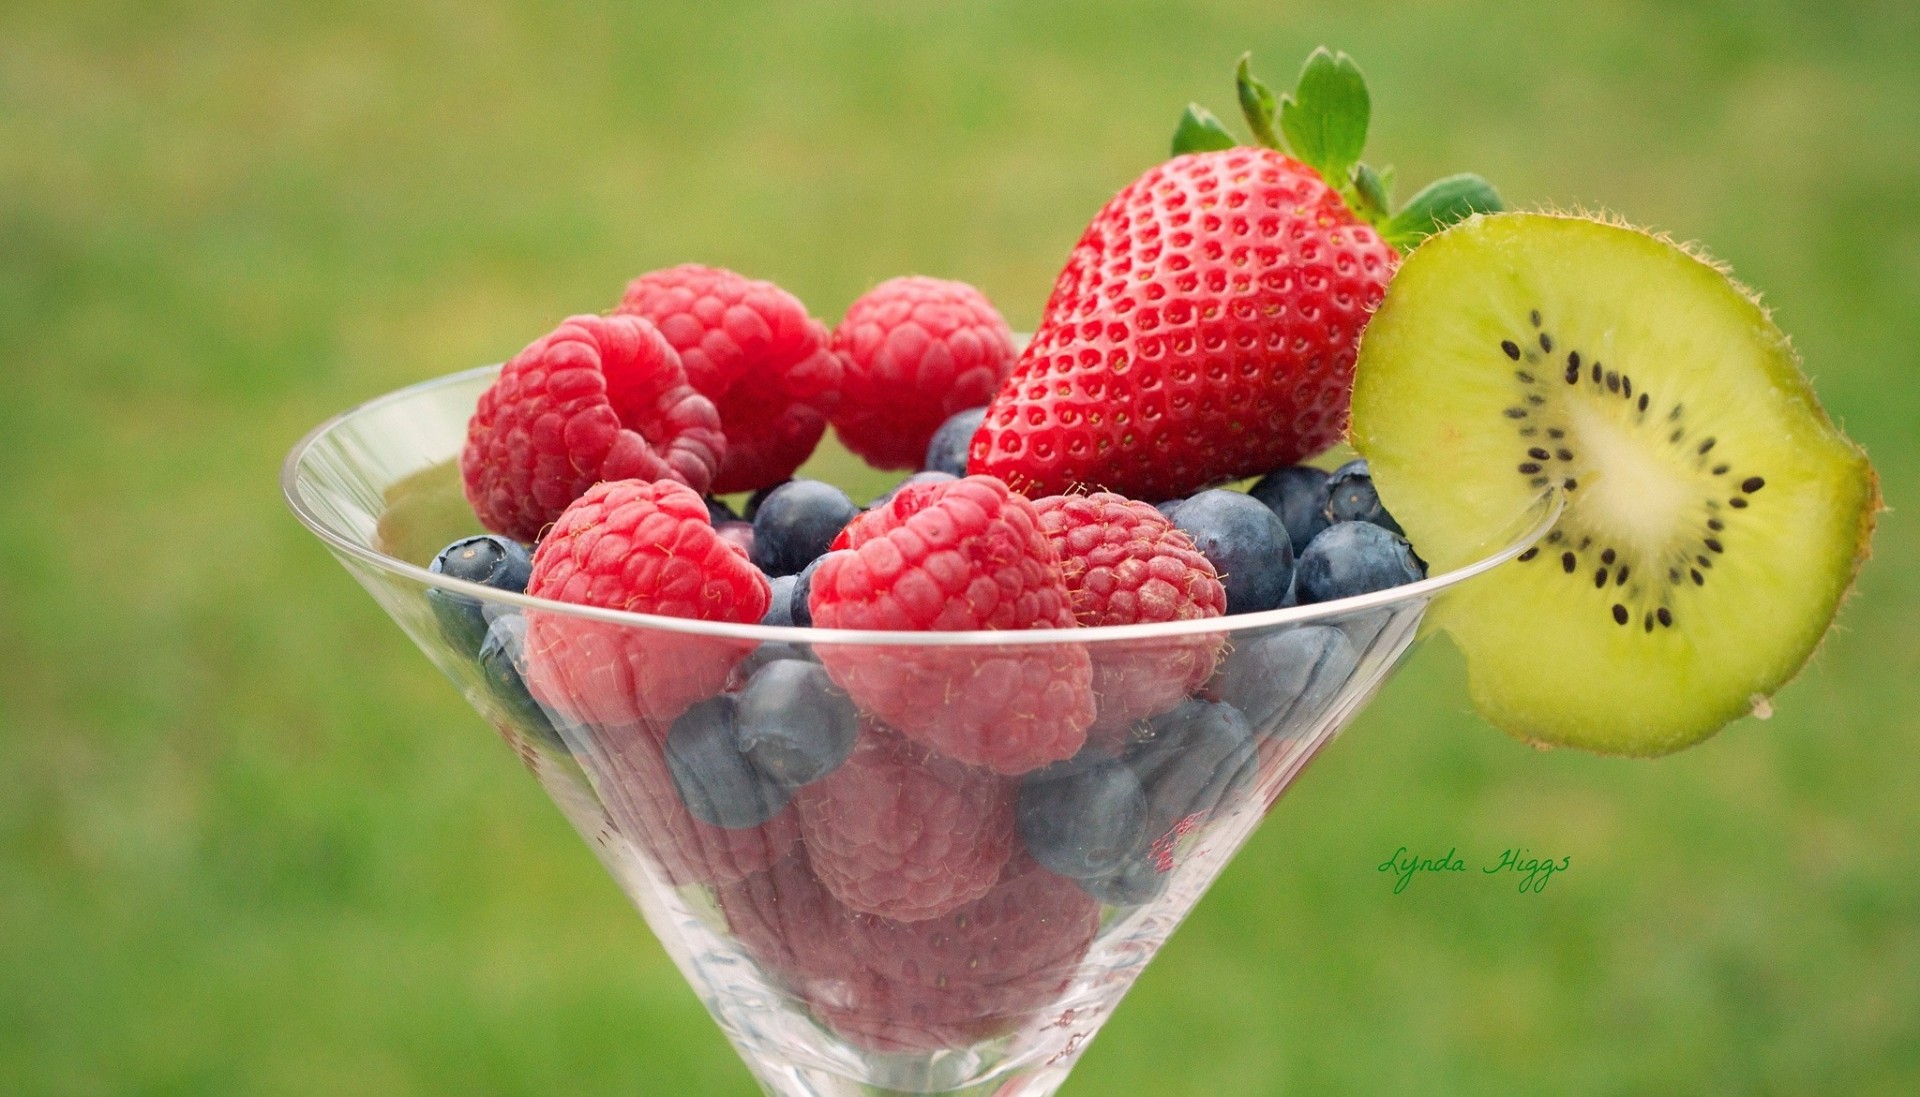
629 771
788 921
916 350
1126 564
903 833
958 555
751 348
975 973
599 398
645 548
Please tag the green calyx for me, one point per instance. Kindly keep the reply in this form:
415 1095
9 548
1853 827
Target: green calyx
1323 124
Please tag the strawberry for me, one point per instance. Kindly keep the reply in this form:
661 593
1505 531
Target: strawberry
1205 325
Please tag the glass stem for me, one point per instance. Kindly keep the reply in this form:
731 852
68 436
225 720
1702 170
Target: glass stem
789 1080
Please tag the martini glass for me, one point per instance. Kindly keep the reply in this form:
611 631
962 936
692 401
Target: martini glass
976 937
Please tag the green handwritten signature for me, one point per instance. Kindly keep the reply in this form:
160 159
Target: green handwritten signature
1535 873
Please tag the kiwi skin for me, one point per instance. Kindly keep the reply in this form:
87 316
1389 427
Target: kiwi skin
1684 683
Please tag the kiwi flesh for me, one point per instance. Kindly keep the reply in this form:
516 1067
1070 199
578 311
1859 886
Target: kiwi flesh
1715 517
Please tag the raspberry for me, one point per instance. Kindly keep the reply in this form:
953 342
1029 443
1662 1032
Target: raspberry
598 398
958 555
788 921
1126 564
751 348
917 350
646 548
630 773
900 832
972 974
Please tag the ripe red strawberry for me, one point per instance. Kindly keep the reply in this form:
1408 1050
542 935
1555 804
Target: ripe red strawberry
646 548
959 555
598 398
751 348
1126 564
916 351
1204 328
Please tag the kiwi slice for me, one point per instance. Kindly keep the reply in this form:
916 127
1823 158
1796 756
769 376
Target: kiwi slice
1715 516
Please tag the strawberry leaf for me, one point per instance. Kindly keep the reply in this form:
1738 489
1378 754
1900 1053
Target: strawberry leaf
1375 205
1200 131
1439 204
1325 119
1256 102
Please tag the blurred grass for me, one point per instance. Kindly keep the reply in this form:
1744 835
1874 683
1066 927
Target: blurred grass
249 844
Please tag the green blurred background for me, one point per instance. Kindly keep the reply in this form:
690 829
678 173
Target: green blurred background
251 843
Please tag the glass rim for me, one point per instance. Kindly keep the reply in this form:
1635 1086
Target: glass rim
1550 505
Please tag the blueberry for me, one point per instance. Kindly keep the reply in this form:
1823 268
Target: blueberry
500 661
491 561
793 723
947 452
923 477
1246 544
1167 507
720 786
798 607
1196 762
718 511
1355 558
779 614
1297 494
760 496
1083 817
1349 497
1283 680
780 602
1137 881
1363 629
796 522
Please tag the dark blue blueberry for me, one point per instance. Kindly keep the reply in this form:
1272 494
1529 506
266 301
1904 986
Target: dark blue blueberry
1355 558
491 561
923 477
796 522
1133 883
500 662
720 786
1196 763
718 511
1363 629
1192 764
780 602
760 496
1082 817
1167 507
797 605
1350 498
1246 544
1283 681
947 452
1297 494
779 614
793 723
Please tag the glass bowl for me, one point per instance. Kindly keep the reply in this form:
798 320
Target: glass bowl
916 920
